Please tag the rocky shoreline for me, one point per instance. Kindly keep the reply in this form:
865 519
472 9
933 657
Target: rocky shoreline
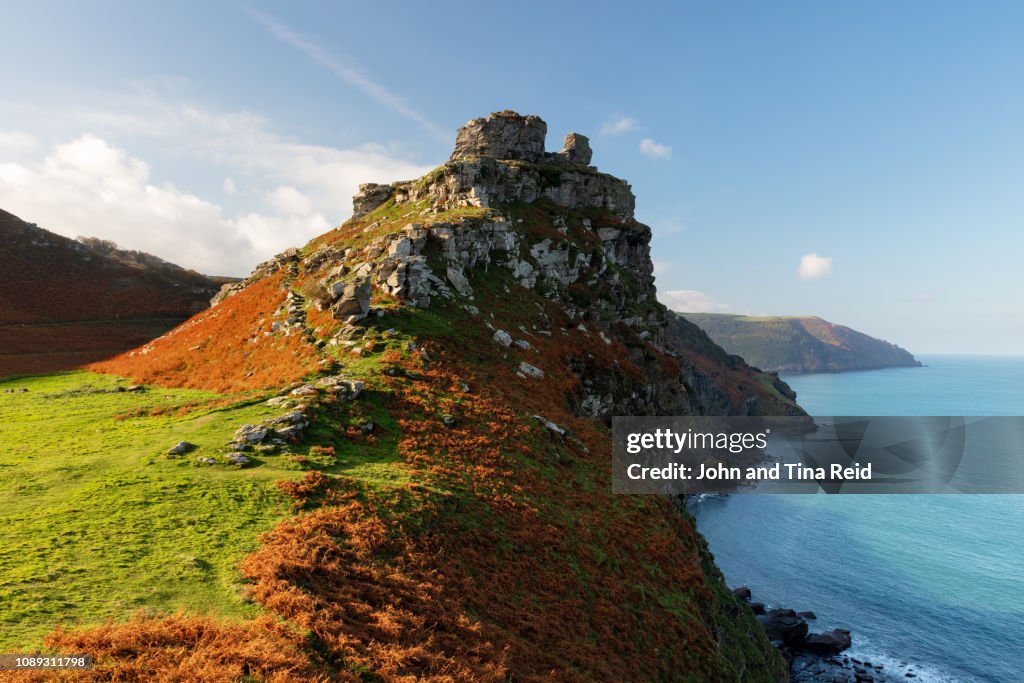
817 657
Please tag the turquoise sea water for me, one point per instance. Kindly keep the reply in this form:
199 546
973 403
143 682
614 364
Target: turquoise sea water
936 581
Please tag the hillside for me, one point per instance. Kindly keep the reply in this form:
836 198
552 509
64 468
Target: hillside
471 333
65 303
800 344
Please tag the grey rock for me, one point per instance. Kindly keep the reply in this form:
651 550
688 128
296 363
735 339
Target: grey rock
502 135
371 195
353 300
290 432
530 371
182 448
459 281
551 426
503 338
829 643
783 625
239 459
205 460
576 148
252 433
293 417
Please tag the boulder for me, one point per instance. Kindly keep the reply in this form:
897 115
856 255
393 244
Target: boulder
182 448
353 299
239 459
551 426
576 149
784 626
503 338
743 593
830 643
527 370
251 434
459 282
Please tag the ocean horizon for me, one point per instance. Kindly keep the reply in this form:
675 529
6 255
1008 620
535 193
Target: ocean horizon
929 583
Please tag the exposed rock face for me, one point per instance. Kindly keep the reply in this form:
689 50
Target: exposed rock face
371 195
502 135
595 260
576 149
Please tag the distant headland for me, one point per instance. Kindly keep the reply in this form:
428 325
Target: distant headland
800 343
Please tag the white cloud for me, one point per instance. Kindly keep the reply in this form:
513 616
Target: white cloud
89 186
661 267
618 125
346 72
691 301
229 186
16 141
287 200
653 150
813 267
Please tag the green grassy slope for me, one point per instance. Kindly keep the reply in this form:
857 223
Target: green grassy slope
98 522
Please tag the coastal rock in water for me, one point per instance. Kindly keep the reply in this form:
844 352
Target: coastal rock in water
784 626
830 643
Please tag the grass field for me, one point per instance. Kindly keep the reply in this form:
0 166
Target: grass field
98 522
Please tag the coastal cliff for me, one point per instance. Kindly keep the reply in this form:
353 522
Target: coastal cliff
800 343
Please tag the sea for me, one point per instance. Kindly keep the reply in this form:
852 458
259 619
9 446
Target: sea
929 583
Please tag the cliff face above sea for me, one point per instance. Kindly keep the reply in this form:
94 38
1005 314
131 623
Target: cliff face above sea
800 343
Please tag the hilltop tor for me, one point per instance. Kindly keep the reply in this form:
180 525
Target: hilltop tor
497 312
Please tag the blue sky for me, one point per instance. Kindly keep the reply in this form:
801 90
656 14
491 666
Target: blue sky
881 145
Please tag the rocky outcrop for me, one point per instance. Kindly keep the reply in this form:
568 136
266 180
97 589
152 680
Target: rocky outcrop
502 135
592 258
371 195
576 149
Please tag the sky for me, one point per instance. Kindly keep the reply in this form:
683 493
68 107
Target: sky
863 162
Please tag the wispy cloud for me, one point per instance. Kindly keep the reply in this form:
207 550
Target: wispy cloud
814 267
348 73
691 301
618 125
654 150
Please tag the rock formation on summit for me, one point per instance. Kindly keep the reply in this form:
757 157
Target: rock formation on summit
498 312
553 225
